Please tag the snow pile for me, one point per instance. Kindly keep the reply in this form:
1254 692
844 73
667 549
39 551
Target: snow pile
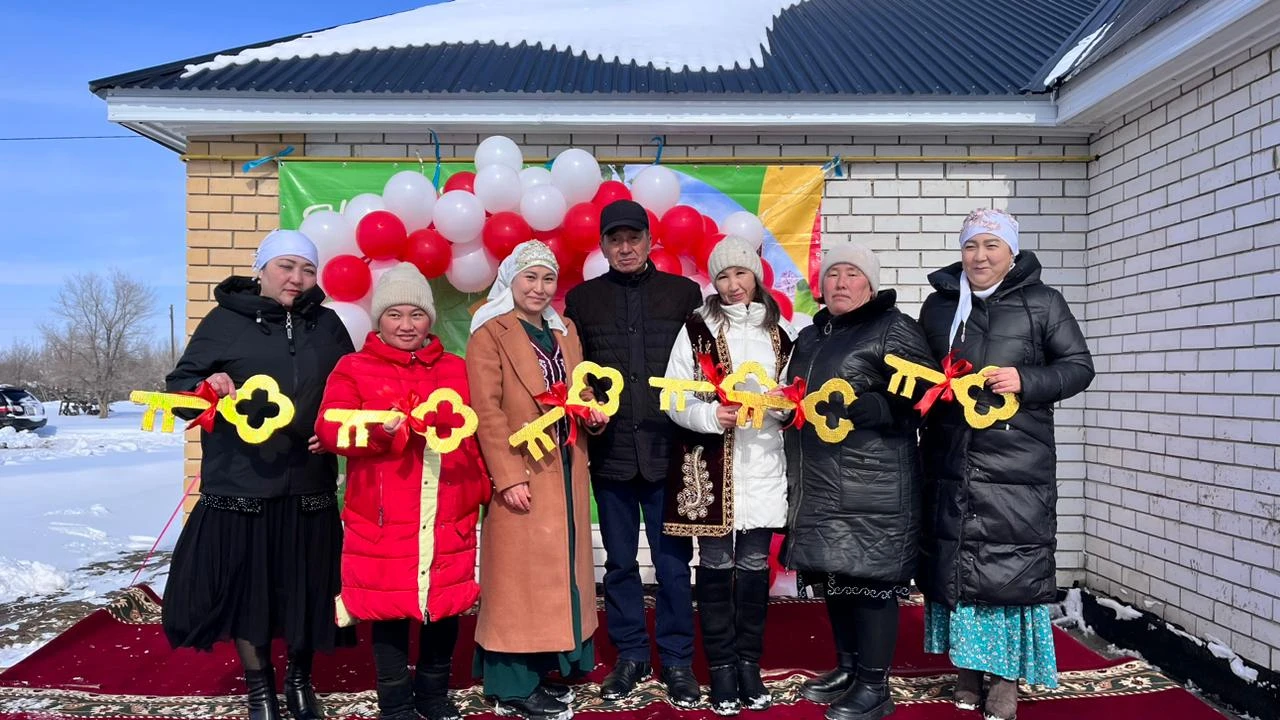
1072 612
669 34
1223 651
1122 611
10 438
24 578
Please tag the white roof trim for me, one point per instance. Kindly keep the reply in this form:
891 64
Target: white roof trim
1165 55
186 115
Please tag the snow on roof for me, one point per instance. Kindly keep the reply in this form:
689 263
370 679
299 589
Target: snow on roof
669 34
1077 52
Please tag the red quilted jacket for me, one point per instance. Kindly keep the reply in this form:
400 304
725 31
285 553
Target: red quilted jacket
409 549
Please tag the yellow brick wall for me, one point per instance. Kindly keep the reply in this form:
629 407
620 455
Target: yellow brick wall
228 214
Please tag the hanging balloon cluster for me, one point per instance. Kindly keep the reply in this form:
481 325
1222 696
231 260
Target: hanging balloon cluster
481 216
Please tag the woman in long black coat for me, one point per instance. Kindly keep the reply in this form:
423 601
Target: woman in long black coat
854 505
259 556
988 567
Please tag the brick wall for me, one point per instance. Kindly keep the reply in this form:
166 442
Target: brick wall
909 213
1182 509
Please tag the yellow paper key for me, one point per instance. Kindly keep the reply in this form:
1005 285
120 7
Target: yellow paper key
163 404
963 389
580 373
470 422
753 404
834 386
254 436
535 437
903 381
675 392
353 424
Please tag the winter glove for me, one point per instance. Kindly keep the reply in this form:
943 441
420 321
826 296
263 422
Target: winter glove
870 411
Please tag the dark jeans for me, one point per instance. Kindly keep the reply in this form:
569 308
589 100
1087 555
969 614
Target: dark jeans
745 549
619 505
391 646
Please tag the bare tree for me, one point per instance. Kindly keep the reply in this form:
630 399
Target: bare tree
20 364
101 332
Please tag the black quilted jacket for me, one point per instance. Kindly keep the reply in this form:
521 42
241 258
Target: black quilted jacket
990 494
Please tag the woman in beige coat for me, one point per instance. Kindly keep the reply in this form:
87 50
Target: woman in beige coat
537 581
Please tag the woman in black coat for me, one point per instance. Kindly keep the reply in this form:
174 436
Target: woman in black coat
988 566
259 556
854 506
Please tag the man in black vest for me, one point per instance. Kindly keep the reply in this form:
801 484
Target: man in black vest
628 319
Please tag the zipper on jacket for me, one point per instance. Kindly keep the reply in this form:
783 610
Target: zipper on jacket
288 331
380 503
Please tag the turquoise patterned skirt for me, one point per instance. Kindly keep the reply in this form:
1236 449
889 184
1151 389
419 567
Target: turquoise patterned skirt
1012 642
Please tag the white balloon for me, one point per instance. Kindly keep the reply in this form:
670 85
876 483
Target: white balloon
499 150
411 196
657 188
332 234
800 320
459 216
746 226
577 174
531 176
356 319
473 269
498 188
595 265
543 207
361 205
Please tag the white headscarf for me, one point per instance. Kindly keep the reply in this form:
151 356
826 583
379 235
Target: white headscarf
285 242
981 221
526 255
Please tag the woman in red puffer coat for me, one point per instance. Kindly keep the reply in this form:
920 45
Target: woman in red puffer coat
410 514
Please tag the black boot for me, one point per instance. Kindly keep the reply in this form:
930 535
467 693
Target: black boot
431 693
395 699
751 596
714 592
299 695
868 699
828 687
263 703
538 706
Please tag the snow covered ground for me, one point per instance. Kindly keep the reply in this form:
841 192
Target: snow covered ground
81 502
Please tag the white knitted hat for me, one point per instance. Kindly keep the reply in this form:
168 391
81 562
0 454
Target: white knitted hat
734 251
859 256
402 285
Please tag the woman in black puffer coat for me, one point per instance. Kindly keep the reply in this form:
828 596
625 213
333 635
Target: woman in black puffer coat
854 506
259 556
988 559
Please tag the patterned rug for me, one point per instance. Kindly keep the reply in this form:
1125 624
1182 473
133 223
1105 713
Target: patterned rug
116 664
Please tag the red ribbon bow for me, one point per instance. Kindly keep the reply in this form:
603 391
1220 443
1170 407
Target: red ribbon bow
795 392
433 419
951 369
715 375
558 396
205 419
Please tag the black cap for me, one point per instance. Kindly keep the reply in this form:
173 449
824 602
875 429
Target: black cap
623 214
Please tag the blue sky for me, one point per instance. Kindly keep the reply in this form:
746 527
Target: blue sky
90 205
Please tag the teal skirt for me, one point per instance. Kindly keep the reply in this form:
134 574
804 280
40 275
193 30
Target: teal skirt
1014 642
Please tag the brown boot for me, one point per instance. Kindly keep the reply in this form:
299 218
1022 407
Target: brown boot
968 692
1002 699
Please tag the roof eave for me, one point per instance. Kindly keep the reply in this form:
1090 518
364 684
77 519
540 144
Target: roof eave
185 114
1172 52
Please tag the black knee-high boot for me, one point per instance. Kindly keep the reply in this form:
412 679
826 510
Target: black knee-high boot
876 627
751 594
436 641
299 695
714 592
828 687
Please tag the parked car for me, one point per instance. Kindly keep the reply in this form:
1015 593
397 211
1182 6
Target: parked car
20 409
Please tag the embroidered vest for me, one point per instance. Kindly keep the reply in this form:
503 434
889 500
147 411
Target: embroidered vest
699 497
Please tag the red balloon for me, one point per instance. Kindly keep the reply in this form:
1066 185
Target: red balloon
609 191
702 251
380 235
569 277
784 303
709 226
665 260
682 229
768 273
655 227
582 227
429 251
503 232
565 254
346 278
465 180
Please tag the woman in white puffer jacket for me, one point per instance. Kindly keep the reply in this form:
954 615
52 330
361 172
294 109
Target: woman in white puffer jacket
728 485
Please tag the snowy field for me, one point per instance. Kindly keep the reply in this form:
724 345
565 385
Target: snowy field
81 502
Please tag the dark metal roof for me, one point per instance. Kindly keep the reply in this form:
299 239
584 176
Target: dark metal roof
817 47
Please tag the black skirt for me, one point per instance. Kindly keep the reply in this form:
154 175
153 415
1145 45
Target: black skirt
257 569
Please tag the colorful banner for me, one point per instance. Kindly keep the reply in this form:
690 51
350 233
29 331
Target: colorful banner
787 200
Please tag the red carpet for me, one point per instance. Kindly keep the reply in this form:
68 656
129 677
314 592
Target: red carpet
116 663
